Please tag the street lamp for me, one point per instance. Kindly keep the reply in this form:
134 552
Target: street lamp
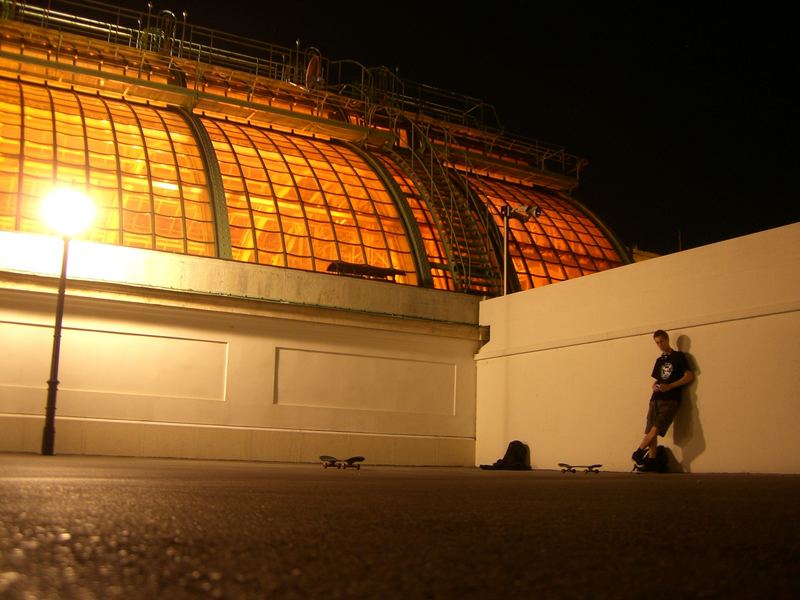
521 214
69 212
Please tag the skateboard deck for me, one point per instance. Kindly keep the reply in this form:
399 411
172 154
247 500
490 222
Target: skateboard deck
565 467
347 463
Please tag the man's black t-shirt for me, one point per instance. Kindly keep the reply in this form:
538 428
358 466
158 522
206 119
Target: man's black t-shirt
669 368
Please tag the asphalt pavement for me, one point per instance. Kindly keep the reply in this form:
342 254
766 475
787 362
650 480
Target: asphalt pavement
79 527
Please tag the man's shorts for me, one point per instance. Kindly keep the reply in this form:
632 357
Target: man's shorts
661 413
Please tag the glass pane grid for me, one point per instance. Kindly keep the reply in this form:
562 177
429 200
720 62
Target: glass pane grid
432 242
119 153
330 204
553 247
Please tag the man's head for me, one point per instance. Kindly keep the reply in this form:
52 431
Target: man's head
661 338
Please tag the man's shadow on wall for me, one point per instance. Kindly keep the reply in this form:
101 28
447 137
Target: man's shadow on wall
687 430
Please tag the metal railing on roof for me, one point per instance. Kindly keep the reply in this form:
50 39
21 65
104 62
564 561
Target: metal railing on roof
165 33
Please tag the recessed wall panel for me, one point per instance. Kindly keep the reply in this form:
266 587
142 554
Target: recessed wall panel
115 363
348 381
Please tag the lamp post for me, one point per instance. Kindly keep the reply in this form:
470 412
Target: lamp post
521 214
69 212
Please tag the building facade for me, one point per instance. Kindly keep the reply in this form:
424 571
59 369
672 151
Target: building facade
288 251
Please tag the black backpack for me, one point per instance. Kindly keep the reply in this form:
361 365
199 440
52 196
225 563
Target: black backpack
659 464
516 458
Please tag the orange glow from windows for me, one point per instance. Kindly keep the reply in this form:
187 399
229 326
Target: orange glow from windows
306 203
562 243
431 240
139 163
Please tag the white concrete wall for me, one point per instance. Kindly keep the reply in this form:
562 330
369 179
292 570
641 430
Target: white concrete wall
567 368
167 355
230 363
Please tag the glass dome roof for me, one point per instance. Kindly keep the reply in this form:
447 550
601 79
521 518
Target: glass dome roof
278 175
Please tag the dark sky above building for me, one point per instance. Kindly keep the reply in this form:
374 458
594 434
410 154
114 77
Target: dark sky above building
683 109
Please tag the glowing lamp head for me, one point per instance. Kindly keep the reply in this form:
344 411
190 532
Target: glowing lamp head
68 211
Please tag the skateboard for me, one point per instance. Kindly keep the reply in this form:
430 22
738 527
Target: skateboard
331 461
586 468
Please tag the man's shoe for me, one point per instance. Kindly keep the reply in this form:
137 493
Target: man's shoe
639 456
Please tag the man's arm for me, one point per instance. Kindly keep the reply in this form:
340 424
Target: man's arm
687 378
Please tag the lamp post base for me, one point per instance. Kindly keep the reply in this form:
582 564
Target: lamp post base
49 429
48 440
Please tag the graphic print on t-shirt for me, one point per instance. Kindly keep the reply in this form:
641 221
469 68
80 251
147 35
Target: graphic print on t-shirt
666 370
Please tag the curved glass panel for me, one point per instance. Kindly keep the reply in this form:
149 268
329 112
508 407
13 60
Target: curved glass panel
139 164
562 243
308 204
432 241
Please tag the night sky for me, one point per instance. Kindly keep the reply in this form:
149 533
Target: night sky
683 109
